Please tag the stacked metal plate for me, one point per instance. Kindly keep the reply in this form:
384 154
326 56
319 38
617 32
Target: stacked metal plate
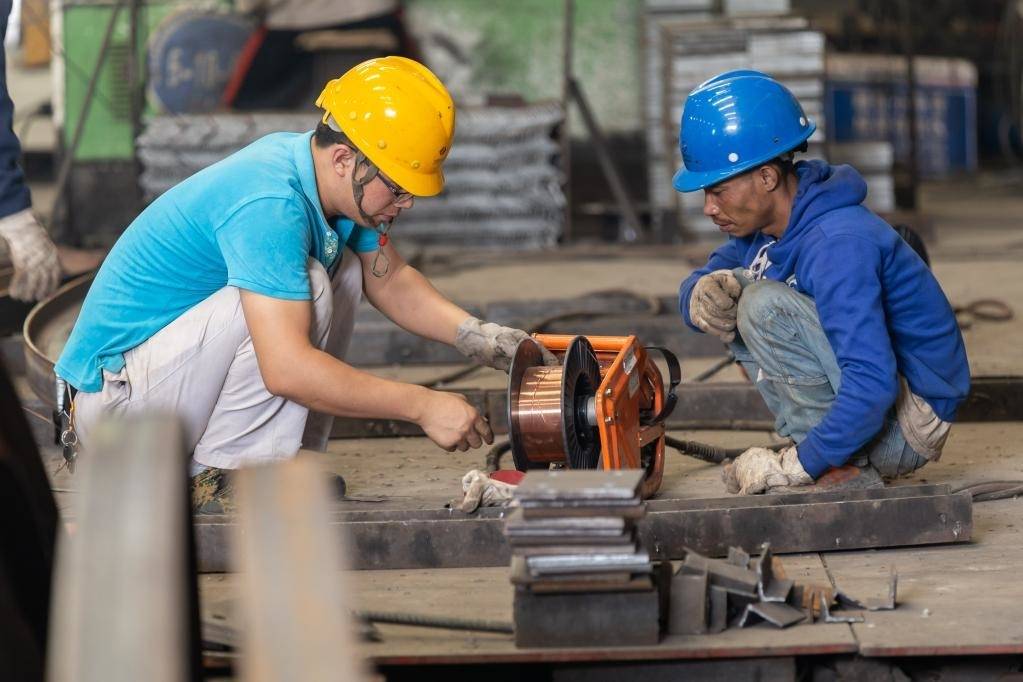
574 531
684 51
503 186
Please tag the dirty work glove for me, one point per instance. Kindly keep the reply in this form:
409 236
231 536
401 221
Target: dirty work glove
482 491
36 268
714 303
491 344
760 469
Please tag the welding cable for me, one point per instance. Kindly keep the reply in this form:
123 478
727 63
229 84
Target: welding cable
987 491
440 622
985 309
717 367
712 453
493 461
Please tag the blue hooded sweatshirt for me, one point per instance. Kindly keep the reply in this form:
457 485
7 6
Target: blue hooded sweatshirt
882 310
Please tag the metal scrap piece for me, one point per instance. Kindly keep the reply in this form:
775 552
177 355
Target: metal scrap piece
888 604
769 587
778 615
718 609
828 618
734 578
689 604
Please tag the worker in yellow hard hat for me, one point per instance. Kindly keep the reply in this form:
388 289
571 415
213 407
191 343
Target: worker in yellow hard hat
231 299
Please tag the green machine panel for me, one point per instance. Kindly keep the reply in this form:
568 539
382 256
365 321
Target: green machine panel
107 135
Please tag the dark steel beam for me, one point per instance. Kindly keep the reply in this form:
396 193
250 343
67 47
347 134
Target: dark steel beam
380 342
725 405
807 522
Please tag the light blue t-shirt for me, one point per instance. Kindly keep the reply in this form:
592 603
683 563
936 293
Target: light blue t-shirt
250 221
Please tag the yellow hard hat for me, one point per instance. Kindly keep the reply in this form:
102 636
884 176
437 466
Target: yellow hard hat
399 114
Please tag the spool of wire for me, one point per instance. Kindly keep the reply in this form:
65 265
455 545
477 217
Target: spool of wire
551 409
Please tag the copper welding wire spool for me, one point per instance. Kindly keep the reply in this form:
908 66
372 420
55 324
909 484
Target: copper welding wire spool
548 408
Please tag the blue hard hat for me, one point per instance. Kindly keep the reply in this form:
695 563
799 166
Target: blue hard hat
734 122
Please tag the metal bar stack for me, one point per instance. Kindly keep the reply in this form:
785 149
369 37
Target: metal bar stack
580 576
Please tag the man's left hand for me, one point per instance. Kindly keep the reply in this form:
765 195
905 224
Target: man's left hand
492 345
760 469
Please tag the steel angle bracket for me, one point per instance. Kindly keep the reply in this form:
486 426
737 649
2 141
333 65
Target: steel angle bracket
888 604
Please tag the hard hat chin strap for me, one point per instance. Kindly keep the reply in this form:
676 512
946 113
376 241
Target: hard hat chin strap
381 264
359 182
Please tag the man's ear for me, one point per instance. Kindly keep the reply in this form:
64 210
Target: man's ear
768 177
343 159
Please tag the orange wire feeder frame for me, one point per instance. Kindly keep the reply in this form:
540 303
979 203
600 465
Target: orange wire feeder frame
603 407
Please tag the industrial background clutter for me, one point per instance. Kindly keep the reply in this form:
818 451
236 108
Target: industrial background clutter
545 340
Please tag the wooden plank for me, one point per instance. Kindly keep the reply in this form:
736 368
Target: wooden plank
441 592
125 581
293 597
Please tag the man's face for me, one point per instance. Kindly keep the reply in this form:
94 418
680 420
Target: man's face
383 200
736 206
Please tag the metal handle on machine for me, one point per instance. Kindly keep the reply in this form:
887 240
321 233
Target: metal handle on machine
674 379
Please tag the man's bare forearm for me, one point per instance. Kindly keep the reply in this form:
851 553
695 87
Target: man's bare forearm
325 384
410 301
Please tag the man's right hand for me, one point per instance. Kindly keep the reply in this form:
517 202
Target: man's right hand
714 302
452 423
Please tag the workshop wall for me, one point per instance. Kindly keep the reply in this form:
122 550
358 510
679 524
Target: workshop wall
515 47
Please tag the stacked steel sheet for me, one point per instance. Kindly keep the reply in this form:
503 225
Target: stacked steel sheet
580 575
687 47
503 185
574 531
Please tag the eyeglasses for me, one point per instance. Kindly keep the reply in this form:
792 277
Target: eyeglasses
400 195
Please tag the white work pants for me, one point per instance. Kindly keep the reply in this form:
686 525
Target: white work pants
202 367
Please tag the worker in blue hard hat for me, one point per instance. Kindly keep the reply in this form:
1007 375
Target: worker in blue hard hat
842 327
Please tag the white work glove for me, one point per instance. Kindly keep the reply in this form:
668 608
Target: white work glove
760 469
482 491
714 303
36 268
491 344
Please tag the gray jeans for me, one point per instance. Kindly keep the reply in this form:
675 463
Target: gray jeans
202 367
783 348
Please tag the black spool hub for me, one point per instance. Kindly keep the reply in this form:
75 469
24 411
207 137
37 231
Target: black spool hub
580 380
